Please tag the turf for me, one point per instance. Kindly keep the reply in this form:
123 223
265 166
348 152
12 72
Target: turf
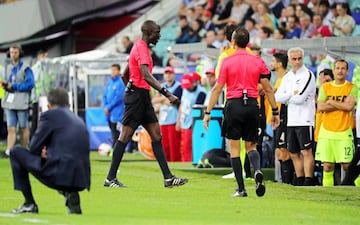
204 200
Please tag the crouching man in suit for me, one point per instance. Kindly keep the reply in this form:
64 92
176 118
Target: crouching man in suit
58 155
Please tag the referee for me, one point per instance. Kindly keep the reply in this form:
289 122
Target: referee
138 107
241 73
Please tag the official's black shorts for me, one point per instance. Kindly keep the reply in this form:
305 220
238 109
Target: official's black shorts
300 138
241 121
138 108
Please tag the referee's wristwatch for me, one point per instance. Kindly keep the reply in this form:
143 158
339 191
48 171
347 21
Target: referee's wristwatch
206 112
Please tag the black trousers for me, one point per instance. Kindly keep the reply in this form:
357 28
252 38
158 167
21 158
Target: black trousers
34 118
24 162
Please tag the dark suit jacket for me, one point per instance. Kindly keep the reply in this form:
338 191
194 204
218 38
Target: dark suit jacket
67 141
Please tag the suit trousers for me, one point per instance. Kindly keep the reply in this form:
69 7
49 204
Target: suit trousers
24 162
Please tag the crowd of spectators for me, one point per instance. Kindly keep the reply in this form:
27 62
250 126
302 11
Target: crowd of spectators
289 19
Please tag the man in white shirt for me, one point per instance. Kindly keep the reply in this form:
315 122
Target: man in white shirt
297 90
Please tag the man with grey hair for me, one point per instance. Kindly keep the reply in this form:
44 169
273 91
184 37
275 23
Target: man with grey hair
297 91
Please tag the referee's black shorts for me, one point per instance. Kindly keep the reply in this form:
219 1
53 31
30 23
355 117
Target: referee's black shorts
138 108
241 121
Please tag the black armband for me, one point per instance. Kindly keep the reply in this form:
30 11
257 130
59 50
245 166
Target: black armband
266 76
275 109
206 112
164 91
275 113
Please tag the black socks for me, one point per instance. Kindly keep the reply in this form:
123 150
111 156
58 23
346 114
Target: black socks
254 158
160 157
118 152
236 165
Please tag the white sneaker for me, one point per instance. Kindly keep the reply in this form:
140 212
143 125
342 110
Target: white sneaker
229 176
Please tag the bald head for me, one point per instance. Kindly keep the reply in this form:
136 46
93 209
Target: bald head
148 26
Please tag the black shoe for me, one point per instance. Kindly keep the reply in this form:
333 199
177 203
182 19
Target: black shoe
309 181
260 186
239 193
113 183
3 155
72 201
26 208
175 181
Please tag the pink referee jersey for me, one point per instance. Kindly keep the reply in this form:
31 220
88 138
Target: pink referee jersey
242 71
140 54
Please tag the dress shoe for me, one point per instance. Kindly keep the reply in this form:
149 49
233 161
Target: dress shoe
72 201
26 208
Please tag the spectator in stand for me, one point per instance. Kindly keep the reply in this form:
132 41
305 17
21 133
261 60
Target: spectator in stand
252 9
294 30
127 44
168 116
210 39
302 9
190 15
281 22
280 33
307 27
194 3
263 34
276 7
221 39
192 94
199 11
325 12
184 29
263 18
290 10
193 35
314 5
238 12
207 22
222 11
344 24
320 30
250 26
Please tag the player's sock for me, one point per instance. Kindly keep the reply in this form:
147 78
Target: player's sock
119 149
247 167
328 179
160 157
287 171
29 198
254 158
236 165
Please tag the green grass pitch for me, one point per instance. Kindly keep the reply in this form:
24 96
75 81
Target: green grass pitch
204 200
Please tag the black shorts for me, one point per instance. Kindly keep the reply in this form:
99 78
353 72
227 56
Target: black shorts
241 121
138 108
299 138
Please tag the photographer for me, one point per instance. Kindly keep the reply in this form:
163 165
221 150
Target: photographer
18 83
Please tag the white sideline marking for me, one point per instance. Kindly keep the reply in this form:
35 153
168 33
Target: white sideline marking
35 220
8 215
